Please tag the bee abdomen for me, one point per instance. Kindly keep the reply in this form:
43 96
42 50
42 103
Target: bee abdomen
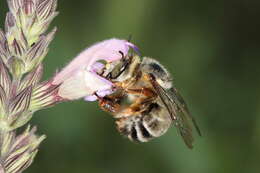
152 123
134 129
144 131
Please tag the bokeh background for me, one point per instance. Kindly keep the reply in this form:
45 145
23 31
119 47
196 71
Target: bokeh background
212 50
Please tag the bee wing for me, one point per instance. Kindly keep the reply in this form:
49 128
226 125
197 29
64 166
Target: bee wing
178 111
177 98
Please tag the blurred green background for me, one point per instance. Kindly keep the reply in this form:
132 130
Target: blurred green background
212 50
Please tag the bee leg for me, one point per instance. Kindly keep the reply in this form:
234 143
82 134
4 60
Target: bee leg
135 108
108 104
146 97
129 82
147 92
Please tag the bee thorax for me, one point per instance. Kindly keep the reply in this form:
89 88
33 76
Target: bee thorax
162 76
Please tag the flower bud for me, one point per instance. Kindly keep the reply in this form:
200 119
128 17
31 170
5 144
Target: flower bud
16 66
9 22
46 9
4 51
31 16
6 142
5 80
3 101
21 151
32 79
18 112
18 109
28 7
44 95
1 168
39 50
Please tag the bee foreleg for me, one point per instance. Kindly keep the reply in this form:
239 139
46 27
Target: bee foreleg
128 82
137 107
109 103
147 92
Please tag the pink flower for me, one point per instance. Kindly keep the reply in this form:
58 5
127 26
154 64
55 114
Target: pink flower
79 79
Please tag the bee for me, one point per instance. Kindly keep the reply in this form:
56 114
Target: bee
145 103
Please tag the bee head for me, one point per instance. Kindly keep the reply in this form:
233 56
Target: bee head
122 69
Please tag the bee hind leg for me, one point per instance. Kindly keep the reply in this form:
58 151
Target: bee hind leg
140 104
147 92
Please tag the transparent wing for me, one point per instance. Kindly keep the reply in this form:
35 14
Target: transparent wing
178 111
177 98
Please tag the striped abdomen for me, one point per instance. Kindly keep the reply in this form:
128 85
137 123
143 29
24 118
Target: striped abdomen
151 123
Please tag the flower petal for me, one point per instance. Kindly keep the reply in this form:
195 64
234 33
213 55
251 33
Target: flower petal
107 50
103 93
82 84
80 79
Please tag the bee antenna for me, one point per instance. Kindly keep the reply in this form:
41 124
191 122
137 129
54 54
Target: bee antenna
122 54
95 93
129 37
131 54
